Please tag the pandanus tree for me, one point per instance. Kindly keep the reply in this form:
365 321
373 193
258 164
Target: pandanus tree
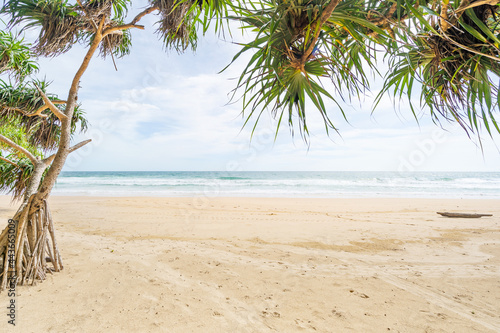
29 129
304 54
34 122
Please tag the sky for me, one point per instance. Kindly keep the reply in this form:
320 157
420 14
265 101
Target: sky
162 111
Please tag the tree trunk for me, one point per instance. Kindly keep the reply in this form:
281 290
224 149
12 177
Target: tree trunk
28 242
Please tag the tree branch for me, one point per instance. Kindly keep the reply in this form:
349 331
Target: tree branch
112 30
38 112
20 149
26 114
443 19
9 161
470 49
325 15
132 24
464 5
79 145
83 67
64 141
50 105
392 10
144 13
95 27
385 22
49 159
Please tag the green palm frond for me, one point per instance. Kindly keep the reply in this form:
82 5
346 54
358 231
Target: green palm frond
120 8
62 24
181 19
97 8
15 132
42 132
177 26
282 78
15 56
455 67
15 176
58 21
14 179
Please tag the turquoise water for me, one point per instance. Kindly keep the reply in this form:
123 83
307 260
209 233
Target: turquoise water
282 184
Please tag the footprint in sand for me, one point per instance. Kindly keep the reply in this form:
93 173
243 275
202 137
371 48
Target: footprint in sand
352 291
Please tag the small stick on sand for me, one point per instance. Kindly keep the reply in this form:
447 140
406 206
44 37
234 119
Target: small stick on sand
463 215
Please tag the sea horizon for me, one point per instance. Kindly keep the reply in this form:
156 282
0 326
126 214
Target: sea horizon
307 184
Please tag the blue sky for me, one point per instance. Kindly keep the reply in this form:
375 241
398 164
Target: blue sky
164 111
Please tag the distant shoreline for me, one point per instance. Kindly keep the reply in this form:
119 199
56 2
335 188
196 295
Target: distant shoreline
143 197
278 184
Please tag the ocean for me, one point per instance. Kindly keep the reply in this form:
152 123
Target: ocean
470 185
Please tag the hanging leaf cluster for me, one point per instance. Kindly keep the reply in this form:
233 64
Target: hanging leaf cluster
63 24
180 20
446 50
18 102
451 54
15 56
293 49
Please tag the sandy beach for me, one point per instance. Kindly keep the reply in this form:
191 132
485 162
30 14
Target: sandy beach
266 265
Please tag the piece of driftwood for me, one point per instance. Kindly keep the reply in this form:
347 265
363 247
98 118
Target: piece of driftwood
463 215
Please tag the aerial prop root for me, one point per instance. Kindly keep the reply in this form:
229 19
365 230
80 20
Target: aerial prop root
28 247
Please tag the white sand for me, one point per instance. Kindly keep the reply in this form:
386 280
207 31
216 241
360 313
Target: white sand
266 265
